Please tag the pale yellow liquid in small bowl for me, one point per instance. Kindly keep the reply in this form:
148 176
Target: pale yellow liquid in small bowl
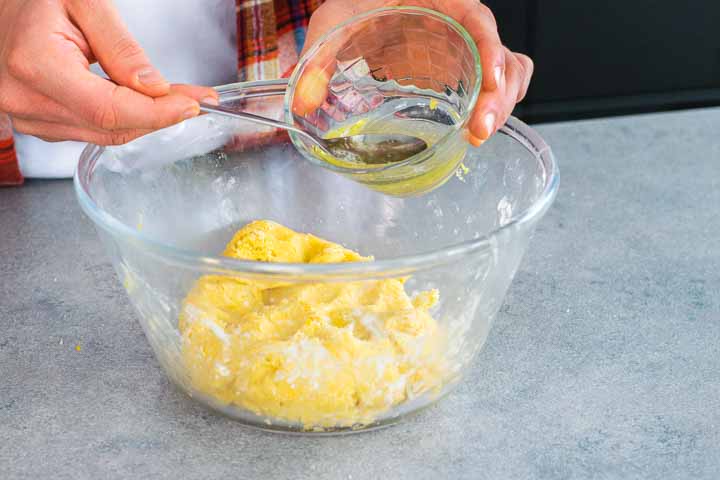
430 170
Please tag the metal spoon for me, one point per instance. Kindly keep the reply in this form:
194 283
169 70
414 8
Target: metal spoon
368 149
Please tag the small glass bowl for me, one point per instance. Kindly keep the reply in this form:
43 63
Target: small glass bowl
402 70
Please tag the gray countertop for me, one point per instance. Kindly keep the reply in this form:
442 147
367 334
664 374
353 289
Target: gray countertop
604 362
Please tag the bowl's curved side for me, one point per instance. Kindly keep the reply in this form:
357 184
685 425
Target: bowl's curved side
533 142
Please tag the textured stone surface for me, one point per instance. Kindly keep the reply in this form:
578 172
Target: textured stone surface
604 362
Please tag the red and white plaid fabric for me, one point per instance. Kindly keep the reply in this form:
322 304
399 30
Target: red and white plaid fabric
9 168
270 33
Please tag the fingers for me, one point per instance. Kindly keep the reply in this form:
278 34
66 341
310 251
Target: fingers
60 124
311 90
105 105
46 85
493 108
331 14
479 22
119 54
34 106
102 105
117 112
56 132
528 69
22 102
201 94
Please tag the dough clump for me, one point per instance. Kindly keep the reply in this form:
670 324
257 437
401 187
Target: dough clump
320 355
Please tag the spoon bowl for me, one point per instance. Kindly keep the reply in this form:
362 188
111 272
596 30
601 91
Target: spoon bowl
364 149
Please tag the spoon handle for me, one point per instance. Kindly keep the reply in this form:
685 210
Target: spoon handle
219 109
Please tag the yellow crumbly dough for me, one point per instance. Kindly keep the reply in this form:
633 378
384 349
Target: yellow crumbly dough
321 355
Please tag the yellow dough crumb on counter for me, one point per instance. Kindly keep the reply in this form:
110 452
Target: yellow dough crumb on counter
319 354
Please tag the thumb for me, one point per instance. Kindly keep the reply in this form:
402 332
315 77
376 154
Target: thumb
312 86
311 90
118 52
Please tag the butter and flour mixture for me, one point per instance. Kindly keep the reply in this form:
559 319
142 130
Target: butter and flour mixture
318 354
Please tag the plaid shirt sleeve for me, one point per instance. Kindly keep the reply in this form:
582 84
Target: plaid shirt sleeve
271 34
9 168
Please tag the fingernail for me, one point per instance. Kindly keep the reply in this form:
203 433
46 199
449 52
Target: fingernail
210 101
498 72
191 113
489 124
149 76
475 141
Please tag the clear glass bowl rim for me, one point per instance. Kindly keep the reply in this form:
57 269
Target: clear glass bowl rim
390 267
427 153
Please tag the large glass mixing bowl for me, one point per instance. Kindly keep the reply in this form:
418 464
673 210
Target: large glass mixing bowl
166 204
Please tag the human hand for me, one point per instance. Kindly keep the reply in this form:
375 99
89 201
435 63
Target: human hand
506 74
46 86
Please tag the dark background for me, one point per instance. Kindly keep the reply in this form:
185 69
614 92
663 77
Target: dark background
610 57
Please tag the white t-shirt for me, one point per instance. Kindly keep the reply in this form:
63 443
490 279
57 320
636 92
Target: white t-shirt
189 41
